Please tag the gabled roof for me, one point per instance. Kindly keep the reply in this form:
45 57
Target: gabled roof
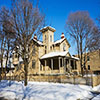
60 41
54 54
38 42
58 54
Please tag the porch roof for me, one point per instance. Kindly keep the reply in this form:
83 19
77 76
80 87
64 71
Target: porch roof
75 58
54 54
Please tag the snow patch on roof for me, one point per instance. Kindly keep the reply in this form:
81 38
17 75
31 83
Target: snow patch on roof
47 27
39 42
75 58
59 41
54 54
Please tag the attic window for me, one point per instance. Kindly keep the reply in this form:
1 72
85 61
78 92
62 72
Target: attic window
45 38
64 47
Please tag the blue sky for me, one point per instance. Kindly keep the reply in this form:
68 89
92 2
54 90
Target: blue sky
57 11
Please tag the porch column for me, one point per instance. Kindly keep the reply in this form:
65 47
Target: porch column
69 63
65 65
74 63
39 67
51 65
45 66
62 64
59 64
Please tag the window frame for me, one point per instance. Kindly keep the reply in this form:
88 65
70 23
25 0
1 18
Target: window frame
88 58
89 67
45 49
33 64
34 51
50 38
45 38
64 47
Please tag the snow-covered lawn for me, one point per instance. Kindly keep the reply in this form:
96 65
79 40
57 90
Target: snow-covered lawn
44 91
97 97
97 88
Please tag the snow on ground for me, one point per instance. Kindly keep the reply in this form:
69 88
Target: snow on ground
97 97
97 88
44 91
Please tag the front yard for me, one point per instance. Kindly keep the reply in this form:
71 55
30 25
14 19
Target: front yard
45 91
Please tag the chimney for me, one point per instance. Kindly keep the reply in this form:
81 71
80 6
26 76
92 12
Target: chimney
62 36
35 37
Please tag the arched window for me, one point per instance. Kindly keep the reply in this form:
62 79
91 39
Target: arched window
50 38
64 47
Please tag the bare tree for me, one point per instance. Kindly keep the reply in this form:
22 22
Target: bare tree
80 26
2 49
8 34
94 39
24 20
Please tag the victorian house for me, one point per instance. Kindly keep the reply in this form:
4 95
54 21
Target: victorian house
50 57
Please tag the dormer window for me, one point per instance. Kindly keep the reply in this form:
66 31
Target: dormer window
64 47
50 38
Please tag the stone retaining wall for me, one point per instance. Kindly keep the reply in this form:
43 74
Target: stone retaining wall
92 81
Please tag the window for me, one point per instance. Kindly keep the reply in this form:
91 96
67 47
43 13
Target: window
64 47
16 56
75 65
50 38
88 58
84 67
72 64
40 66
45 49
61 63
33 52
45 38
50 47
33 64
88 67
67 61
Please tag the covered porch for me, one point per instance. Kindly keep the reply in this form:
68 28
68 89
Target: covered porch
57 64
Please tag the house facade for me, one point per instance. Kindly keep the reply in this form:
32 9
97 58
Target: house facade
91 62
49 57
51 61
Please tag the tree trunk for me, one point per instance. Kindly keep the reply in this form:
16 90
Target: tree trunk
26 71
7 59
81 55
